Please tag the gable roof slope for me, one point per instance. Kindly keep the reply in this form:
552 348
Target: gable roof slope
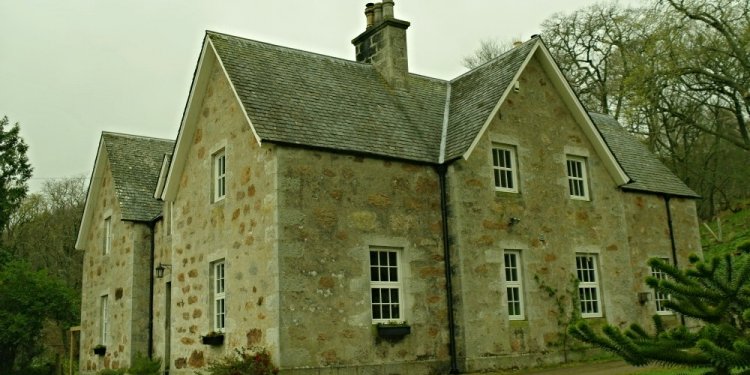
303 98
475 94
135 162
647 173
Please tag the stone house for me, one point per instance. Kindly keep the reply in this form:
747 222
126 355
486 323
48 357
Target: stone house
308 198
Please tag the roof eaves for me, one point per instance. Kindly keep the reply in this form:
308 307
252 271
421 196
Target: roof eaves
446 117
92 191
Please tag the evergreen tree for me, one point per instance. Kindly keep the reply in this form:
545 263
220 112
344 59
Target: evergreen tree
15 170
716 292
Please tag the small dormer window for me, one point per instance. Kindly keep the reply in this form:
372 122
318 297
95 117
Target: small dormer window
219 175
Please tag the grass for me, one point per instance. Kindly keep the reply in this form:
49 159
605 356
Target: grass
673 371
734 231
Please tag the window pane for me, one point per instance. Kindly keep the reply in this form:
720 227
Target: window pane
376 312
384 274
383 258
394 295
394 274
373 258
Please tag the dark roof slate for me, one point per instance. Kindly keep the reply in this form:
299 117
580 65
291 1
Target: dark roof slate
646 172
475 94
135 162
299 97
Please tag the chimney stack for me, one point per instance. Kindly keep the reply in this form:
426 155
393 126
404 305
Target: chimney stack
370 14
387 9
383 43
378 13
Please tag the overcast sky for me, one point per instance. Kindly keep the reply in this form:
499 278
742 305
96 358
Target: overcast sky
70 69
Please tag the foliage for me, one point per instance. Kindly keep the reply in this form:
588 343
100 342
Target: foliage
44 229
15 170
727 232
27 299
254 361
675 72
142 365
716 292
567 310
488 50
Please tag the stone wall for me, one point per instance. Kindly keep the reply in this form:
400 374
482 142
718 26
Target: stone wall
332 208
648 237
120 276
240 229
552 229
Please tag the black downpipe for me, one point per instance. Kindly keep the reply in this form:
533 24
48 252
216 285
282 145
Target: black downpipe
441 171
671 230
152 229
672 240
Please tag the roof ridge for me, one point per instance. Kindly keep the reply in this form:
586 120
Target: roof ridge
285 48
317 54
496 59
136 136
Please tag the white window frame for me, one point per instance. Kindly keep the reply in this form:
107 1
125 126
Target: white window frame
661 297
107 245
104 319
218 291
578 180
219 175
589 289
514 290
378 284
508 154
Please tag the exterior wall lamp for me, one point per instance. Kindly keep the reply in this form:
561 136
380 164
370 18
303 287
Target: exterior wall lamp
514 221
160 269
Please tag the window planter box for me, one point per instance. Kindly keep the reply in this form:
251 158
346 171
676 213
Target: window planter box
100 350
213 340
392 332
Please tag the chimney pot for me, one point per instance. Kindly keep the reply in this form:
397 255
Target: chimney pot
517 43
370 14
378 13
387 9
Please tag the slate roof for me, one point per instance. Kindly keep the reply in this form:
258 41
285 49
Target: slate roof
645 170
136 162
299 97
475 94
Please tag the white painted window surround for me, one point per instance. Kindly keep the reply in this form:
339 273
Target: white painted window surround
504 168
514 284
577 177
589 290
219 175
659 297
385 285
219 296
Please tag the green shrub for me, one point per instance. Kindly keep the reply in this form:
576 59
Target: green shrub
143 365
244 362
